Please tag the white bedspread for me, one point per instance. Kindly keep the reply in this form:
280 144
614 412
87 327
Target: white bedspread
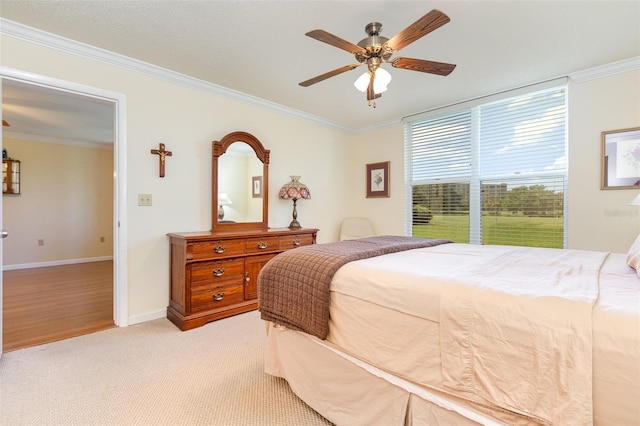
521 337
516 328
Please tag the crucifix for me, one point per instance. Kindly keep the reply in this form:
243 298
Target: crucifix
161 153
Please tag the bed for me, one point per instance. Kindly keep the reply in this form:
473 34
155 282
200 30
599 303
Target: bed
406 331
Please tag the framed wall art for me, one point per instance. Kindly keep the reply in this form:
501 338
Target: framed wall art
378 180
620 160
256 186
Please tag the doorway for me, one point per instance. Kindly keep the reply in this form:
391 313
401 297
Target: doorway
117 174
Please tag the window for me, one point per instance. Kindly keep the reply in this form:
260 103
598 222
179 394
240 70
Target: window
490 173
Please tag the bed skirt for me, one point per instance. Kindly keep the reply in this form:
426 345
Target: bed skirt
347 391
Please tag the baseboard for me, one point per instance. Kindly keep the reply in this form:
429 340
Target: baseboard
55 263
148 316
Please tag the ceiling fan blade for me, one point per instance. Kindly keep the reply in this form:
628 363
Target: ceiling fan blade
336 41
326 75
439 68
423 26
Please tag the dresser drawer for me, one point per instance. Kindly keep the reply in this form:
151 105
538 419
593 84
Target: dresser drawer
215 248
218 297
292 241
222 270
256 245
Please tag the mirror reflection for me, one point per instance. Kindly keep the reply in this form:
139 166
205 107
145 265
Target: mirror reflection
239 197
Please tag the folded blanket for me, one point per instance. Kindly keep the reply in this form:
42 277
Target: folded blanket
293 288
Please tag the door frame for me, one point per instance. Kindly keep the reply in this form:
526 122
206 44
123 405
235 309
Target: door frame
120 265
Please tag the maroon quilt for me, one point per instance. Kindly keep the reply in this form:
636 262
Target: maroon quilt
293 288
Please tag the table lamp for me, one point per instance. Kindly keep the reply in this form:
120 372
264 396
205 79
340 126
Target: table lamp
223 200
294 190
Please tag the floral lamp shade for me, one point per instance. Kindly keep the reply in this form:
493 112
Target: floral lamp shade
294 190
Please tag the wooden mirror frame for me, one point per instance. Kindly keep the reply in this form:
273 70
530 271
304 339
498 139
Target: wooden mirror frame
219 148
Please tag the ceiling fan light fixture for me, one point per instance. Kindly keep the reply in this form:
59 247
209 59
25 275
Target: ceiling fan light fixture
362 82
381 80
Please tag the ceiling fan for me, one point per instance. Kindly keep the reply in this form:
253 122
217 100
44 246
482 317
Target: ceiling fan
376 50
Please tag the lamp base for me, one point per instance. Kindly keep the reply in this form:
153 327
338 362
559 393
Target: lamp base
220 213
294 224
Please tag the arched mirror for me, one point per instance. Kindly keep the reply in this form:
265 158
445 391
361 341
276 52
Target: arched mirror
240 183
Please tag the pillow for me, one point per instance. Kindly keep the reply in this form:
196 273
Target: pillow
633 256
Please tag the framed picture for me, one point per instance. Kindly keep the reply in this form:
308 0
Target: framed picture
620 159
256 186
378 180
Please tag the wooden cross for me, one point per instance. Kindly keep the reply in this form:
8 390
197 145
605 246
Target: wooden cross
162 153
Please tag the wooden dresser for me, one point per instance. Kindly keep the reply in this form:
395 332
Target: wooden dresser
214 274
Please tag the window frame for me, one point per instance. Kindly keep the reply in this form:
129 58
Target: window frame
475 179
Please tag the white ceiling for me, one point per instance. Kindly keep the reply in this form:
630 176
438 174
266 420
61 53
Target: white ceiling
259 47
49 115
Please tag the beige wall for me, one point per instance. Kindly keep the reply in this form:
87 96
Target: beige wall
600 219
187 120
330 161
66 200
385 144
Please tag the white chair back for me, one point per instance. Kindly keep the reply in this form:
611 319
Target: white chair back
356 227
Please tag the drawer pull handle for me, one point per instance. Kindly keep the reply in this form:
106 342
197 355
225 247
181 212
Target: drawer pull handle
262 245
218 272
296 242
218 297
246 277
219 249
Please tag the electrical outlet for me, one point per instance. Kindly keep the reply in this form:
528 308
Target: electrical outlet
40 242
144 199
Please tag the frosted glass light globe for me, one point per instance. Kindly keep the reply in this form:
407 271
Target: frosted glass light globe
380 81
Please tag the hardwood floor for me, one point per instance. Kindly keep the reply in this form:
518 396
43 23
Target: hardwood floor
42 305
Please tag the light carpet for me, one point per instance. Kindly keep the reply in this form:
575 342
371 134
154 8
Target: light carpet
151 374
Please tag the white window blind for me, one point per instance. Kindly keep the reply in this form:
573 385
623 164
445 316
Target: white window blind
492 173
441 148
523 135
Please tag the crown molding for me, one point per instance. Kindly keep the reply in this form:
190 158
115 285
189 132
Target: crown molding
606 70
36 36
55 140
